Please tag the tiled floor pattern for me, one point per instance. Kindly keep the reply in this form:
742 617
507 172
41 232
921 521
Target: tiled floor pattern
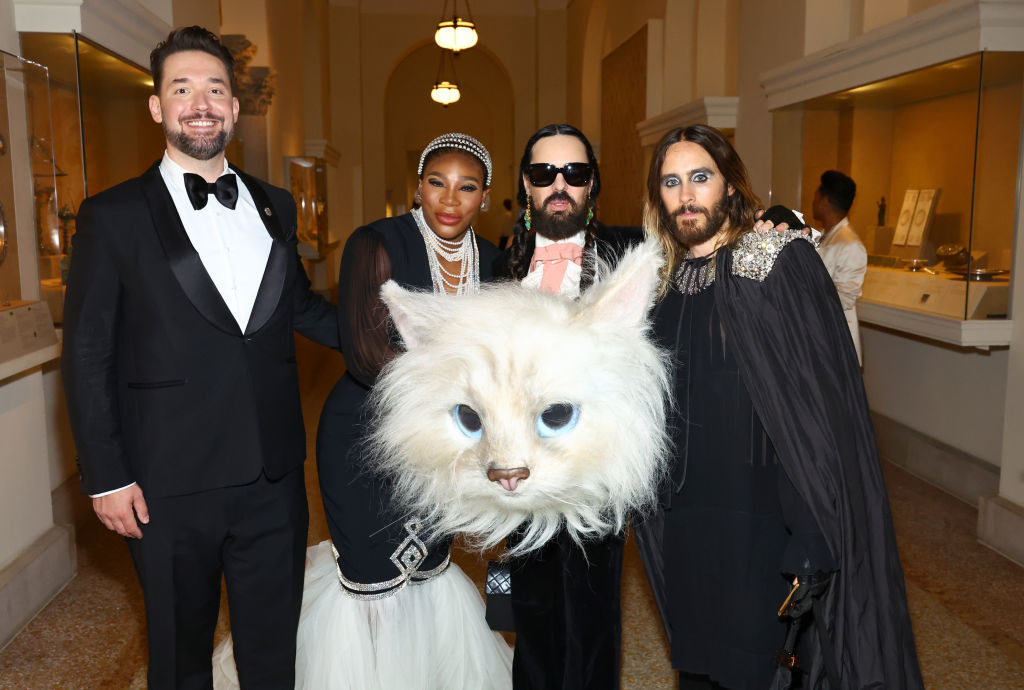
967 602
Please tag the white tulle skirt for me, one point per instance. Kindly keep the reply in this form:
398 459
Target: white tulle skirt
428 636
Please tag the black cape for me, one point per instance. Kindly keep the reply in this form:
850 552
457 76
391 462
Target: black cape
799 365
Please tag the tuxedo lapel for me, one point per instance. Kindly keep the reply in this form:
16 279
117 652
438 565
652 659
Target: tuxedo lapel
184 260
280 267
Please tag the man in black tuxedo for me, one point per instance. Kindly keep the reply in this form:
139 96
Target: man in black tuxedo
179 365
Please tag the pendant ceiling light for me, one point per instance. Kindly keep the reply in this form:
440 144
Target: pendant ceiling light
456 33
445 91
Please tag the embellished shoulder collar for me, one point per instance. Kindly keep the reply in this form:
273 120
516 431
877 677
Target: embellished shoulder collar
754 254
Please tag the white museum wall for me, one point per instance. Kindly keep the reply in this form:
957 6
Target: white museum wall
954 395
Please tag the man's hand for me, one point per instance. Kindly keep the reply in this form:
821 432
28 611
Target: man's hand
117 511
763 226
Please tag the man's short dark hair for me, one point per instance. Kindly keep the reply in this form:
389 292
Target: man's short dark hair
839 189
189 38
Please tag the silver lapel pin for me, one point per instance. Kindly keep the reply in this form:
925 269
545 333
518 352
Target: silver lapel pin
267 210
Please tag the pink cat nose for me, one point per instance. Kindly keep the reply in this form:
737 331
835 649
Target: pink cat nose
509 479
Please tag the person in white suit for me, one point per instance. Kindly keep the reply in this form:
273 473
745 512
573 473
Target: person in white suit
841 249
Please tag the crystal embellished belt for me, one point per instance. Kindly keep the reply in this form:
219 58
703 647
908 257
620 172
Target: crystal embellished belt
408 558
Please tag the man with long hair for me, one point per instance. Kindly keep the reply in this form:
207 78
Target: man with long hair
565 599
776 479
559 183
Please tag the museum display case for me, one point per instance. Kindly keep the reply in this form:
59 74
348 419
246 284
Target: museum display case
306 178
102 134
935 153
27 337
25 125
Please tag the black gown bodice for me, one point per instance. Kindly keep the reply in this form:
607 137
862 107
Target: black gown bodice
379 549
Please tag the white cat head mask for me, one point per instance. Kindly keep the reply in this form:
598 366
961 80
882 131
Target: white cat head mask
513 407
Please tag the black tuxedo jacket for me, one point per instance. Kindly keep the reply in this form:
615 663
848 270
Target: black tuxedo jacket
163 387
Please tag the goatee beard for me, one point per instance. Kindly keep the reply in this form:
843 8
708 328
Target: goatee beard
689 232
202 148
559 226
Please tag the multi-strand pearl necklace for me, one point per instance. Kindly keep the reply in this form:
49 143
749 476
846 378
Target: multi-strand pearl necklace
464 252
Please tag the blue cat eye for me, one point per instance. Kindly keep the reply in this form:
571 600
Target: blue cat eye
557 419
468 421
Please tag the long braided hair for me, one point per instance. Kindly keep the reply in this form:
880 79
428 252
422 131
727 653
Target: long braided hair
520 249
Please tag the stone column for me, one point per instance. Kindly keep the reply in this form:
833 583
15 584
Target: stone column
254 88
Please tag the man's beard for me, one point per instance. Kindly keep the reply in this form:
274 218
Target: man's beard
560 225
689 232
202 148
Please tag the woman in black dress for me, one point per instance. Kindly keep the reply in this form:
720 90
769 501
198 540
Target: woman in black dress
395 612
381 608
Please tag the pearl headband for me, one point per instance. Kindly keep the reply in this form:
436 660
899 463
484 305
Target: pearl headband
463 142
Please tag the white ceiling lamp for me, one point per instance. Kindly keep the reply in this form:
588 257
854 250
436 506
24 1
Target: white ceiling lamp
456 33
445 91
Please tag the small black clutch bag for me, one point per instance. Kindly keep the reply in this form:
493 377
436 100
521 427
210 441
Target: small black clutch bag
498 590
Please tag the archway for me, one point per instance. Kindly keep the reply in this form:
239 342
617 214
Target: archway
485 111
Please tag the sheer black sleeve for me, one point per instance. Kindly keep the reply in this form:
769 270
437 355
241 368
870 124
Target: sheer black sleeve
362 316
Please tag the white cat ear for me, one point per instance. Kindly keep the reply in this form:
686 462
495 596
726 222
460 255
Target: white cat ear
627 294
409 311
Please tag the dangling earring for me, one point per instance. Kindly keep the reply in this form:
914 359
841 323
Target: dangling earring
486 205
417 197
590 211
526 218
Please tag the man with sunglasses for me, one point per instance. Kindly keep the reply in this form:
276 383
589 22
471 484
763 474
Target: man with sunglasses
565 598
557 239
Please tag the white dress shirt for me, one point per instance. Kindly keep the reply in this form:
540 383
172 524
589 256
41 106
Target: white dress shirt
570 286
232 244
844 256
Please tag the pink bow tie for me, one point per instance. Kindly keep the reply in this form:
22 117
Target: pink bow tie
555 259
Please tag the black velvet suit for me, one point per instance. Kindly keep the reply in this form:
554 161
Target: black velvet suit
164 389
566 599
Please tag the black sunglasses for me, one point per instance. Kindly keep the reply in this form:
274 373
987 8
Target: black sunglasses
544 174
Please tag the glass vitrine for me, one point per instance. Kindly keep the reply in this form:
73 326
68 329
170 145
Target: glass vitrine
28 200
936 154
101 134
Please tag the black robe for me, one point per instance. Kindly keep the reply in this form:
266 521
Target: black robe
797 361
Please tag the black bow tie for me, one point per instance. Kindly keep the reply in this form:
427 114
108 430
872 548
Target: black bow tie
199 190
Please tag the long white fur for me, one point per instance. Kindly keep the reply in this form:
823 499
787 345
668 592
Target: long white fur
509 352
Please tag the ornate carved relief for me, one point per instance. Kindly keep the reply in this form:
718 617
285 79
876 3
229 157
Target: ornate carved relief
254 86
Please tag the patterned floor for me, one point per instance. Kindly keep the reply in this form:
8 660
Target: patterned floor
966 601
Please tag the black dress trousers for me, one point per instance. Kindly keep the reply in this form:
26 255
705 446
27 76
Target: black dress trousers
255 535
